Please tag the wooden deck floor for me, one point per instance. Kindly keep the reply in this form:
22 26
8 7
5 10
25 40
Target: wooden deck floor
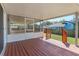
35 47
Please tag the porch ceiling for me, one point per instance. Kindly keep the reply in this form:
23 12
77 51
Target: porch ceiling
40 10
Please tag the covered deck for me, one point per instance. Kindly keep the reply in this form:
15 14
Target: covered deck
24 26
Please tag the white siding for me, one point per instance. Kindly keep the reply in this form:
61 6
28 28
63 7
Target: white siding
23 36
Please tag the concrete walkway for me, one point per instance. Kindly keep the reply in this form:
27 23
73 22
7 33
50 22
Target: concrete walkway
72 47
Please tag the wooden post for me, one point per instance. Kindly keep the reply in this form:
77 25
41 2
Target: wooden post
48 34
64 36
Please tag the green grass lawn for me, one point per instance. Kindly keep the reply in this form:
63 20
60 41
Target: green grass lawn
71 40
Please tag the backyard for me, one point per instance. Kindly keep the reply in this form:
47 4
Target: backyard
71 40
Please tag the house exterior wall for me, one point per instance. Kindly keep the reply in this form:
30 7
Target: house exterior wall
23 36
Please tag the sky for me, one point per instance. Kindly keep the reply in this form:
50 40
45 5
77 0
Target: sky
65 18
